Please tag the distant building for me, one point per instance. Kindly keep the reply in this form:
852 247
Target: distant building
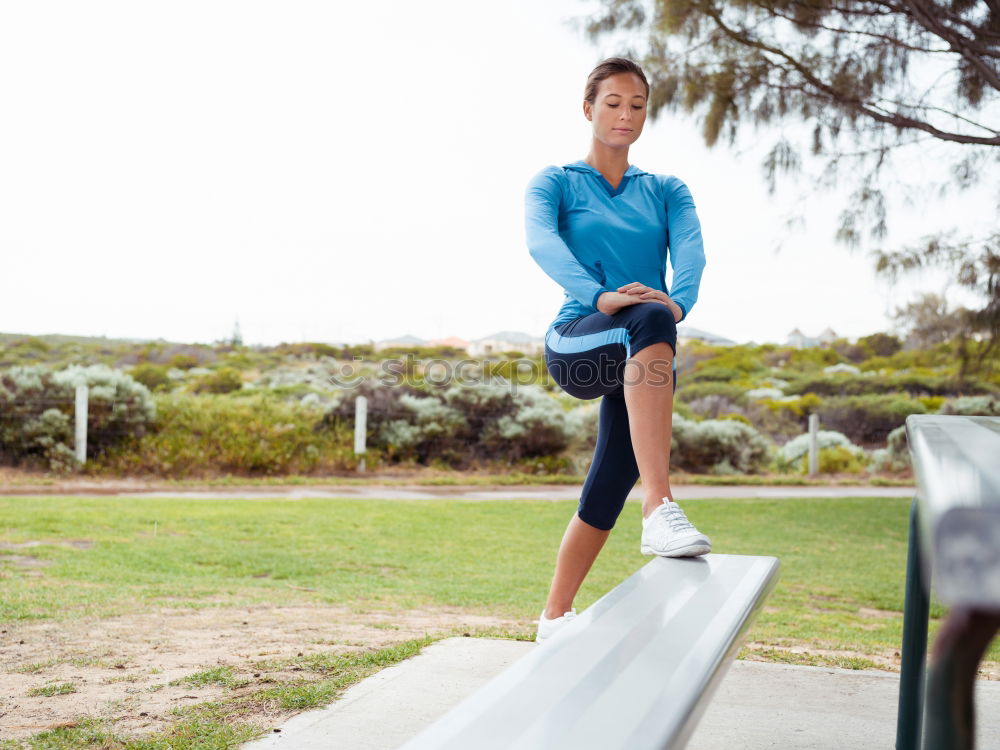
686 334
452 341
403 341
800 341
828 337
506 341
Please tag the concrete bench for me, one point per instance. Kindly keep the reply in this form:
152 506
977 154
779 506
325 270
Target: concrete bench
954 541
634 670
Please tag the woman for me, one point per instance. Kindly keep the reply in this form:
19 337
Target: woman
601 228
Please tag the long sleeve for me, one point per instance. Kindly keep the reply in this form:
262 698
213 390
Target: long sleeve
687 251
541 223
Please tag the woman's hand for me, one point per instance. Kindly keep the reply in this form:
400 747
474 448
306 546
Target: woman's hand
611 302
648 294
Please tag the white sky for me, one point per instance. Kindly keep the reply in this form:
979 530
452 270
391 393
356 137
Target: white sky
329 171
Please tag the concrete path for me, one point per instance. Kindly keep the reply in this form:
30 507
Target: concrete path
757 706
556 492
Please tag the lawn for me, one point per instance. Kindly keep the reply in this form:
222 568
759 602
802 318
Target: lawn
839 600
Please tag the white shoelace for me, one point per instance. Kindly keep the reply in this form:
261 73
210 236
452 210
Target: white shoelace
675 517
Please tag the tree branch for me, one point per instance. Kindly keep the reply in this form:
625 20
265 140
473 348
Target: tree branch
837 30
962 45
896 119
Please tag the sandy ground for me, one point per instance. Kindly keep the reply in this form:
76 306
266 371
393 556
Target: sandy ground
121 667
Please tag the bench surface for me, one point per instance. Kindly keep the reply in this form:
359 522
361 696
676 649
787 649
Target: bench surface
634 670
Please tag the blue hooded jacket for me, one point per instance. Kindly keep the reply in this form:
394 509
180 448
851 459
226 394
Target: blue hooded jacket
591 238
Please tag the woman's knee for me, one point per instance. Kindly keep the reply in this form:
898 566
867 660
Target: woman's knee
653 325
601 518
657 316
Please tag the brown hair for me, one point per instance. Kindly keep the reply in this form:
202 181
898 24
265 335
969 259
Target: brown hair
608 68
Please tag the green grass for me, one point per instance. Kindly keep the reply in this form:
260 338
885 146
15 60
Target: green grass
53 689
837 554
839 600
404 476
222 723
223 676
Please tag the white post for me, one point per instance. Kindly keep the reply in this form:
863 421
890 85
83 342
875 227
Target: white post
813 445
81 423
360 429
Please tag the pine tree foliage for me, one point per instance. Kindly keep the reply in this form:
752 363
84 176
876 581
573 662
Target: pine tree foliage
871 79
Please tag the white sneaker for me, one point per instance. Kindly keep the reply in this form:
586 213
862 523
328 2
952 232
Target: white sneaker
668 532
547 628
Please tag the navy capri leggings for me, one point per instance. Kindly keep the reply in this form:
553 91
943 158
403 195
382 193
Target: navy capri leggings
586 357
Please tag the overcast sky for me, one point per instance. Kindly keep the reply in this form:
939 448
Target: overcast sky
328 171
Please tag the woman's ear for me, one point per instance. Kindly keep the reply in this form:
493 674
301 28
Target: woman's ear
586 109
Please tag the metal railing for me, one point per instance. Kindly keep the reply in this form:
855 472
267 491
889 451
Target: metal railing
954 542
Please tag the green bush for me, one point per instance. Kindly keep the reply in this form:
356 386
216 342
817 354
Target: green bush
868 420
211 434
460 425
688 392
912 384
714 373
719 446
880 344
223 380
984 406
183 361
839 460
796 449
154 377
38 406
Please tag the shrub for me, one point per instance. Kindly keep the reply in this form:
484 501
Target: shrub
761 393
895 457
714 373
897 444
880 344
840 460
464 423
736 418
215 434
985 406
183 361
913 384
713 405
688 392
718 446
37 408
154 377
539 428
795 449
430 429
223 380
868 419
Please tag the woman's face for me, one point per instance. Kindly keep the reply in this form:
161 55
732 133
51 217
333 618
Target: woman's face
619 110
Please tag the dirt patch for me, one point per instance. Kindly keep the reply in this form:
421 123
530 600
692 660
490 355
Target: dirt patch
121 667
73 543
887 659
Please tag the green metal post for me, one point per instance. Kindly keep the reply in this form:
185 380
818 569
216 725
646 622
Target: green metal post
951 678
916 611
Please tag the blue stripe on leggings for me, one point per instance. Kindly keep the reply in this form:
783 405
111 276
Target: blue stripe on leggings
575 344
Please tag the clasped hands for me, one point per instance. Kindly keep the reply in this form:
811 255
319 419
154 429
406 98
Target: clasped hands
631 294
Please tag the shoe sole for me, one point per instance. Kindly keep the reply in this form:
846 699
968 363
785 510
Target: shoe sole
687 550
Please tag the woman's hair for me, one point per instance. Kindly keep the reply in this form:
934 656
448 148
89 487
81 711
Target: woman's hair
608 68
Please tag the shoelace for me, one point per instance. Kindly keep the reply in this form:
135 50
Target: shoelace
675 517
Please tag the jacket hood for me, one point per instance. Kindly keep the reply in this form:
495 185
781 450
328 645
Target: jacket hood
582 166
